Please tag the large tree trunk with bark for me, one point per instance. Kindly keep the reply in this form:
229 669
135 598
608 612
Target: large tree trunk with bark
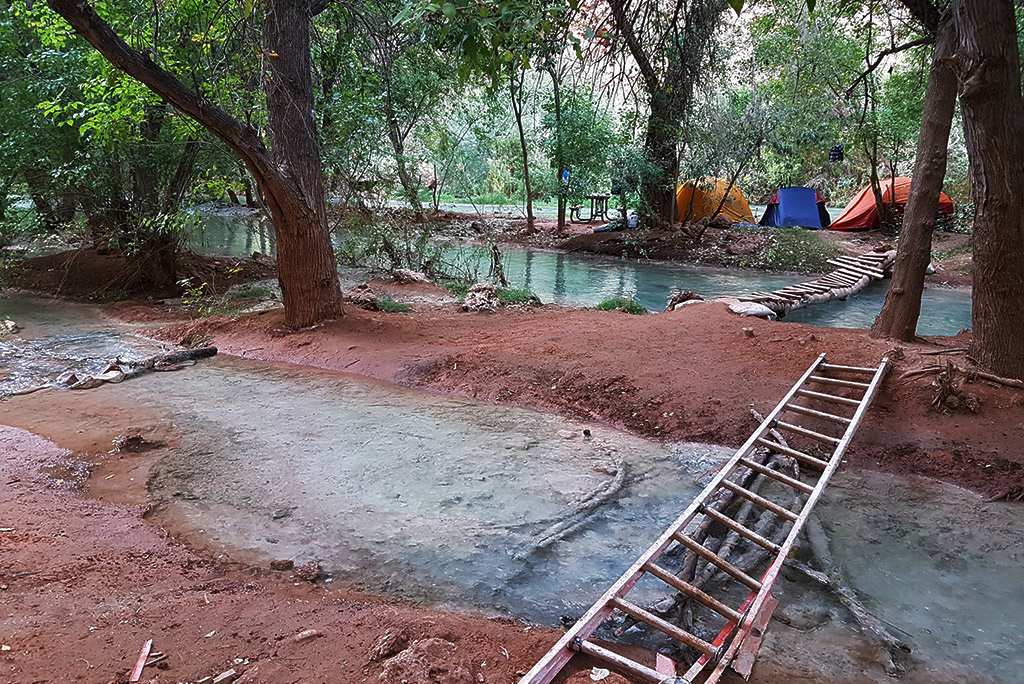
291 180
899 314
658 189
987 61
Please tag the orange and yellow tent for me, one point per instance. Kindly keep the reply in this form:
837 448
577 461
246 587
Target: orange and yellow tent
697 199
862 214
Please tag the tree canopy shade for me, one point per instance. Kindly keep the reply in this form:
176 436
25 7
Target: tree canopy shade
289 177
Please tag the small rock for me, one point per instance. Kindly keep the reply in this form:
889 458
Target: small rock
280 513
388 644
751 309
283 564
748 332
481 297
306 635
405 276
8 326
308 571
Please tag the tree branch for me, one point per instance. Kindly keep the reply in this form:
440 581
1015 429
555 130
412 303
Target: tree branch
926 40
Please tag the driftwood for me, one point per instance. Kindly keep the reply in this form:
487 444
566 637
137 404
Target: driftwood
568 524
932 370
119 370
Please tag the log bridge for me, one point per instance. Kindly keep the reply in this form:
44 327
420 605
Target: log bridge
853 274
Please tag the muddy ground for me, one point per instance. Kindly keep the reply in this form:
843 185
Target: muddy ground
85 579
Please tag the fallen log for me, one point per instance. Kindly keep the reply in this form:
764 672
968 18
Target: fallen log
119 370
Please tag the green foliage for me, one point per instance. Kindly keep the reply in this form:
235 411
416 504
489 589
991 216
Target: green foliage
202 303
508 295
622 304
583 138
795 249
253 292
389 305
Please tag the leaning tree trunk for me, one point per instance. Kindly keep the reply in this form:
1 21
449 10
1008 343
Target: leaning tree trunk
993 113
516 93
290 181
899 314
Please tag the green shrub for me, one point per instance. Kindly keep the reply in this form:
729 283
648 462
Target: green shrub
253 292
510 295
389 305
795 249
458 288
622 304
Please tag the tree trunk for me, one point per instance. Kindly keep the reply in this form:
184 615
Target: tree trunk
657 190
899 314
993 112
516 92
307 270
291 181
409 185
559 155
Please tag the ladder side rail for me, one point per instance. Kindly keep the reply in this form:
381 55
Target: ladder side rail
773 570
555 659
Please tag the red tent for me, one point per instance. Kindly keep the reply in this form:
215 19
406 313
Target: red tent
861 213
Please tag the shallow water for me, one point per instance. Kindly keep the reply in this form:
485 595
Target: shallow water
439 499
586 280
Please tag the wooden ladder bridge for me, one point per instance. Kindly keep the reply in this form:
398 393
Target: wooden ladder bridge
834 398
852 275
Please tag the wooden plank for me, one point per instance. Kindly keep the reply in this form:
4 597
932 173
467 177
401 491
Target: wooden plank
141 662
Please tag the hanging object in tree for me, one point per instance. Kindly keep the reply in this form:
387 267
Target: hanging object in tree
835 153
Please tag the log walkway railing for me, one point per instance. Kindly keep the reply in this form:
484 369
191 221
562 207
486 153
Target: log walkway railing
853 274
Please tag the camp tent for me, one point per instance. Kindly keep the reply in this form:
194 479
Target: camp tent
796 206
861 213
697 199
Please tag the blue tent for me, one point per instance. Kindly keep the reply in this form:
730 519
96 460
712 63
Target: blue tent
797 206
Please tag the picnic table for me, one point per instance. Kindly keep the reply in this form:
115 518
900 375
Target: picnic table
598 209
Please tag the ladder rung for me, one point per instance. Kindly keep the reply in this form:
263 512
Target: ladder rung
693 592
623 663
828 397
798 455
837 382
797 408
776 475
847 369
796 429
753 536
718 561
760 500
668 628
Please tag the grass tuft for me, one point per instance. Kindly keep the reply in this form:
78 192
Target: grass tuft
622 304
